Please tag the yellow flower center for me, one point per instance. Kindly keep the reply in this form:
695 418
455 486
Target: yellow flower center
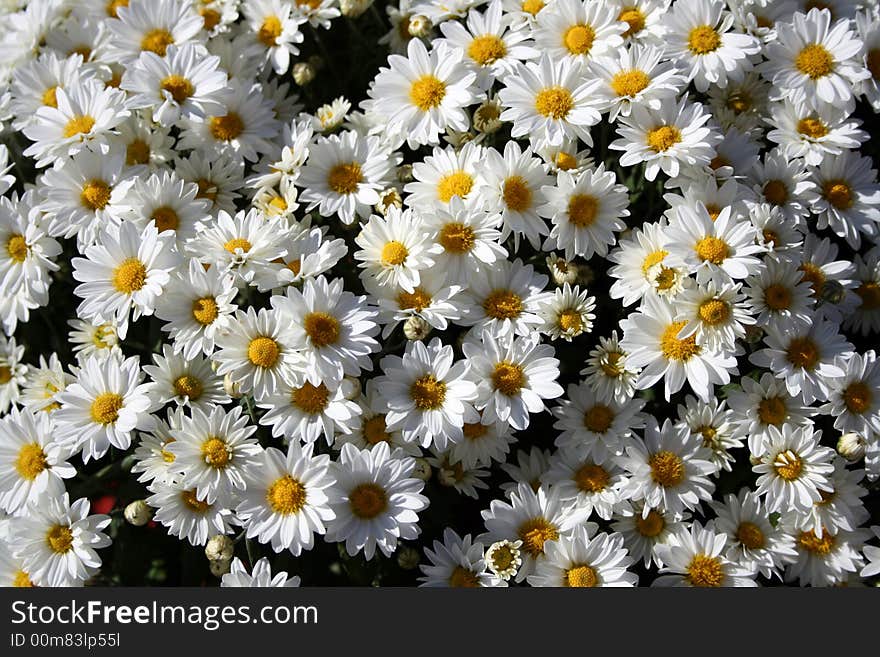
179 87
226 128
634 18
532 6
22 580
777 297
812 127
207 189
60 539
457 238
204 310
269 31
428 393
857 397
534 533
286 495
776 192
675 349
216 452
508 378
578 39
211 17
95 195
237 243
157 41
554 102
416 300
629 83
750 535
137 152
714 312
487 49
873 62
667 469
651 526
79 124
503 304
592 478
712 249
788 465
582 209
502 558
17 248
803 352
463 578
739 101
703 39
516 194
344 178
457 183
31 461
165 218
565 161
813 274
193 503
598 418
812 543
582 576
50 97
311 399
704 570
772 410
368 500
838 193
105 408
869 293
263 352
663 137
394 253
130 276
653 258
611 363
427 92
474 430
375 430
322 328
814 61
570 321
187 385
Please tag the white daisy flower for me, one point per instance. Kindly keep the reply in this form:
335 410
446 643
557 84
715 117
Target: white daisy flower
444 174
186 516
43 383
609 373
89 340
168 202
276 29
259 577
779 298
585 559
810 133
642 532
577 31
457 562
149 25
186 381
698 558
715 314
152 460
305 412
849 197
826 560
585 482
854 399
567 314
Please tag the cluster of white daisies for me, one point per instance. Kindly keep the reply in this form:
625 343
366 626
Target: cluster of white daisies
288 322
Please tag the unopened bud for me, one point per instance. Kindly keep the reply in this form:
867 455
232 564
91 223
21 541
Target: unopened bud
231 387
754 334
851 446
416 328
405 173
388 197
351 387
833 292
220 568
562 271
422 469
408 558
316 61
219 548
138 513
303 73
419 26
354 8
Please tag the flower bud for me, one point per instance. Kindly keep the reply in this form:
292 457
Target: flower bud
303 73
231 387
390 196
851 446
220 568
351 387
138 513
405 173
422 470
420 26
408 558
561 270
354 8
416 328
219 548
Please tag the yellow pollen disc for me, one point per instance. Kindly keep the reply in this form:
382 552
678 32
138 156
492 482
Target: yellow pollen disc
502 304
775 192
716 163
629 83
427 92
157 41
663 137
167 456
554 102
22 580
570 321
207 189
113 5
812 127
375 430
269 31
873 61
814 61
211 17
772 410
463 578
60 539
31 461
130 276
869 293
216 452
598 418
578 39
17 248
516 194
803 352
428 393
532 6
534 533
416 300
263 352
714 312
857 397
788 465
367 501
99 337
653 258
634 18
502 558
508 378
777 297
611 363
750 535
78 125
651 526
237 243
95 195
580 577
592 478
582 210
311 399
838 193
474 430
712 249
313 4
188 386
770 237
565 161
394 253
204 310
286 495
675 349
739 101
704 570
179 87
709 434
193 503
226 128
457 183
165 218
50 97
137 152
667 469
703 39
322 328
344 178
487 49
5 374
457 238
812 543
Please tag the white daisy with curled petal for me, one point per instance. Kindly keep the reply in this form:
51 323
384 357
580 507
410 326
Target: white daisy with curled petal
428 396
698 558
259 577
585 560
44 381
304 412
127 270
287 498
376 501
608 371
103 408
